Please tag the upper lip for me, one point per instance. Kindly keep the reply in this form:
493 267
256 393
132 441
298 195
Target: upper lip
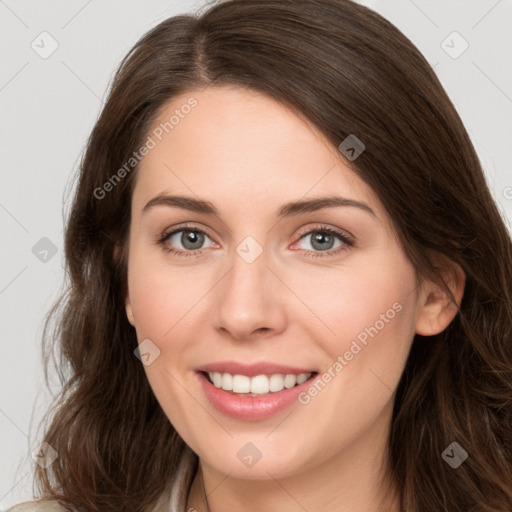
251 370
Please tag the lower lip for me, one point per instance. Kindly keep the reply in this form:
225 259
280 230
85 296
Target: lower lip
250 407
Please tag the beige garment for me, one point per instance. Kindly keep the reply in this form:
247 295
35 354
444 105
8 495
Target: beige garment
167 503
53 506
170 501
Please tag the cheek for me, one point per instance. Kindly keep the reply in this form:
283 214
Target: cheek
164 302
371 300
372 317
160 296
365 324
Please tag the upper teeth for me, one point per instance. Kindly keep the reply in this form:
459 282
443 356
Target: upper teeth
259 385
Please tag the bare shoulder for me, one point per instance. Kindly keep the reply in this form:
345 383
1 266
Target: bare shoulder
38 506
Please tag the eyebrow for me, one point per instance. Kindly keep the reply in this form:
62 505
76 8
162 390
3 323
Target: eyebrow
287 210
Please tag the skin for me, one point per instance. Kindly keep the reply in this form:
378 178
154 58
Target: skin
248 155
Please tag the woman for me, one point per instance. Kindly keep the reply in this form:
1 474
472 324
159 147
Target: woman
255 369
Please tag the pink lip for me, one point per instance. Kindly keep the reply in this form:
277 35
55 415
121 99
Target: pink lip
250 408
251 370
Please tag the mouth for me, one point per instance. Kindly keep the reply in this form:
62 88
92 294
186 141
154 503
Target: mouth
253 398
258 385
253 391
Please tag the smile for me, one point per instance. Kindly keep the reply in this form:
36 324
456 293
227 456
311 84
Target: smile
253 398
257 385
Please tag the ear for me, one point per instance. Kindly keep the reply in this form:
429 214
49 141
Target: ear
128 305
436 307
129 309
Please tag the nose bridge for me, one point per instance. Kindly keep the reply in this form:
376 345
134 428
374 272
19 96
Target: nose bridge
248 277
247 298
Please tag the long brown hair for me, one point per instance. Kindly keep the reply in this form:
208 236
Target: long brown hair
349 71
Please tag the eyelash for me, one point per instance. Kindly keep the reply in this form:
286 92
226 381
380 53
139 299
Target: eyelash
348 241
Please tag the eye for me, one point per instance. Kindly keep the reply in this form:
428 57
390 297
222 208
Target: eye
322 240
190 238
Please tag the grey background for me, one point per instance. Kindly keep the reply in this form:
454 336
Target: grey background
48 107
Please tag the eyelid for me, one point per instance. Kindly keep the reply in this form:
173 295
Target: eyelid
183 227
324 227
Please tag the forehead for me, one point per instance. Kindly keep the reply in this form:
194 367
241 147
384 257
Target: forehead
240 145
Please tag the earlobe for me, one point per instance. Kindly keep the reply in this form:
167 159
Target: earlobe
129 310
436 307
116 255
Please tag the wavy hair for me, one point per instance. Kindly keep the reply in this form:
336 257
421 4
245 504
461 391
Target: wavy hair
349 71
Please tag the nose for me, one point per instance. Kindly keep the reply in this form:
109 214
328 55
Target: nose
250 300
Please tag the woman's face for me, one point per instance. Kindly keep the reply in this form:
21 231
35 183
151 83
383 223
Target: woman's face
259 288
